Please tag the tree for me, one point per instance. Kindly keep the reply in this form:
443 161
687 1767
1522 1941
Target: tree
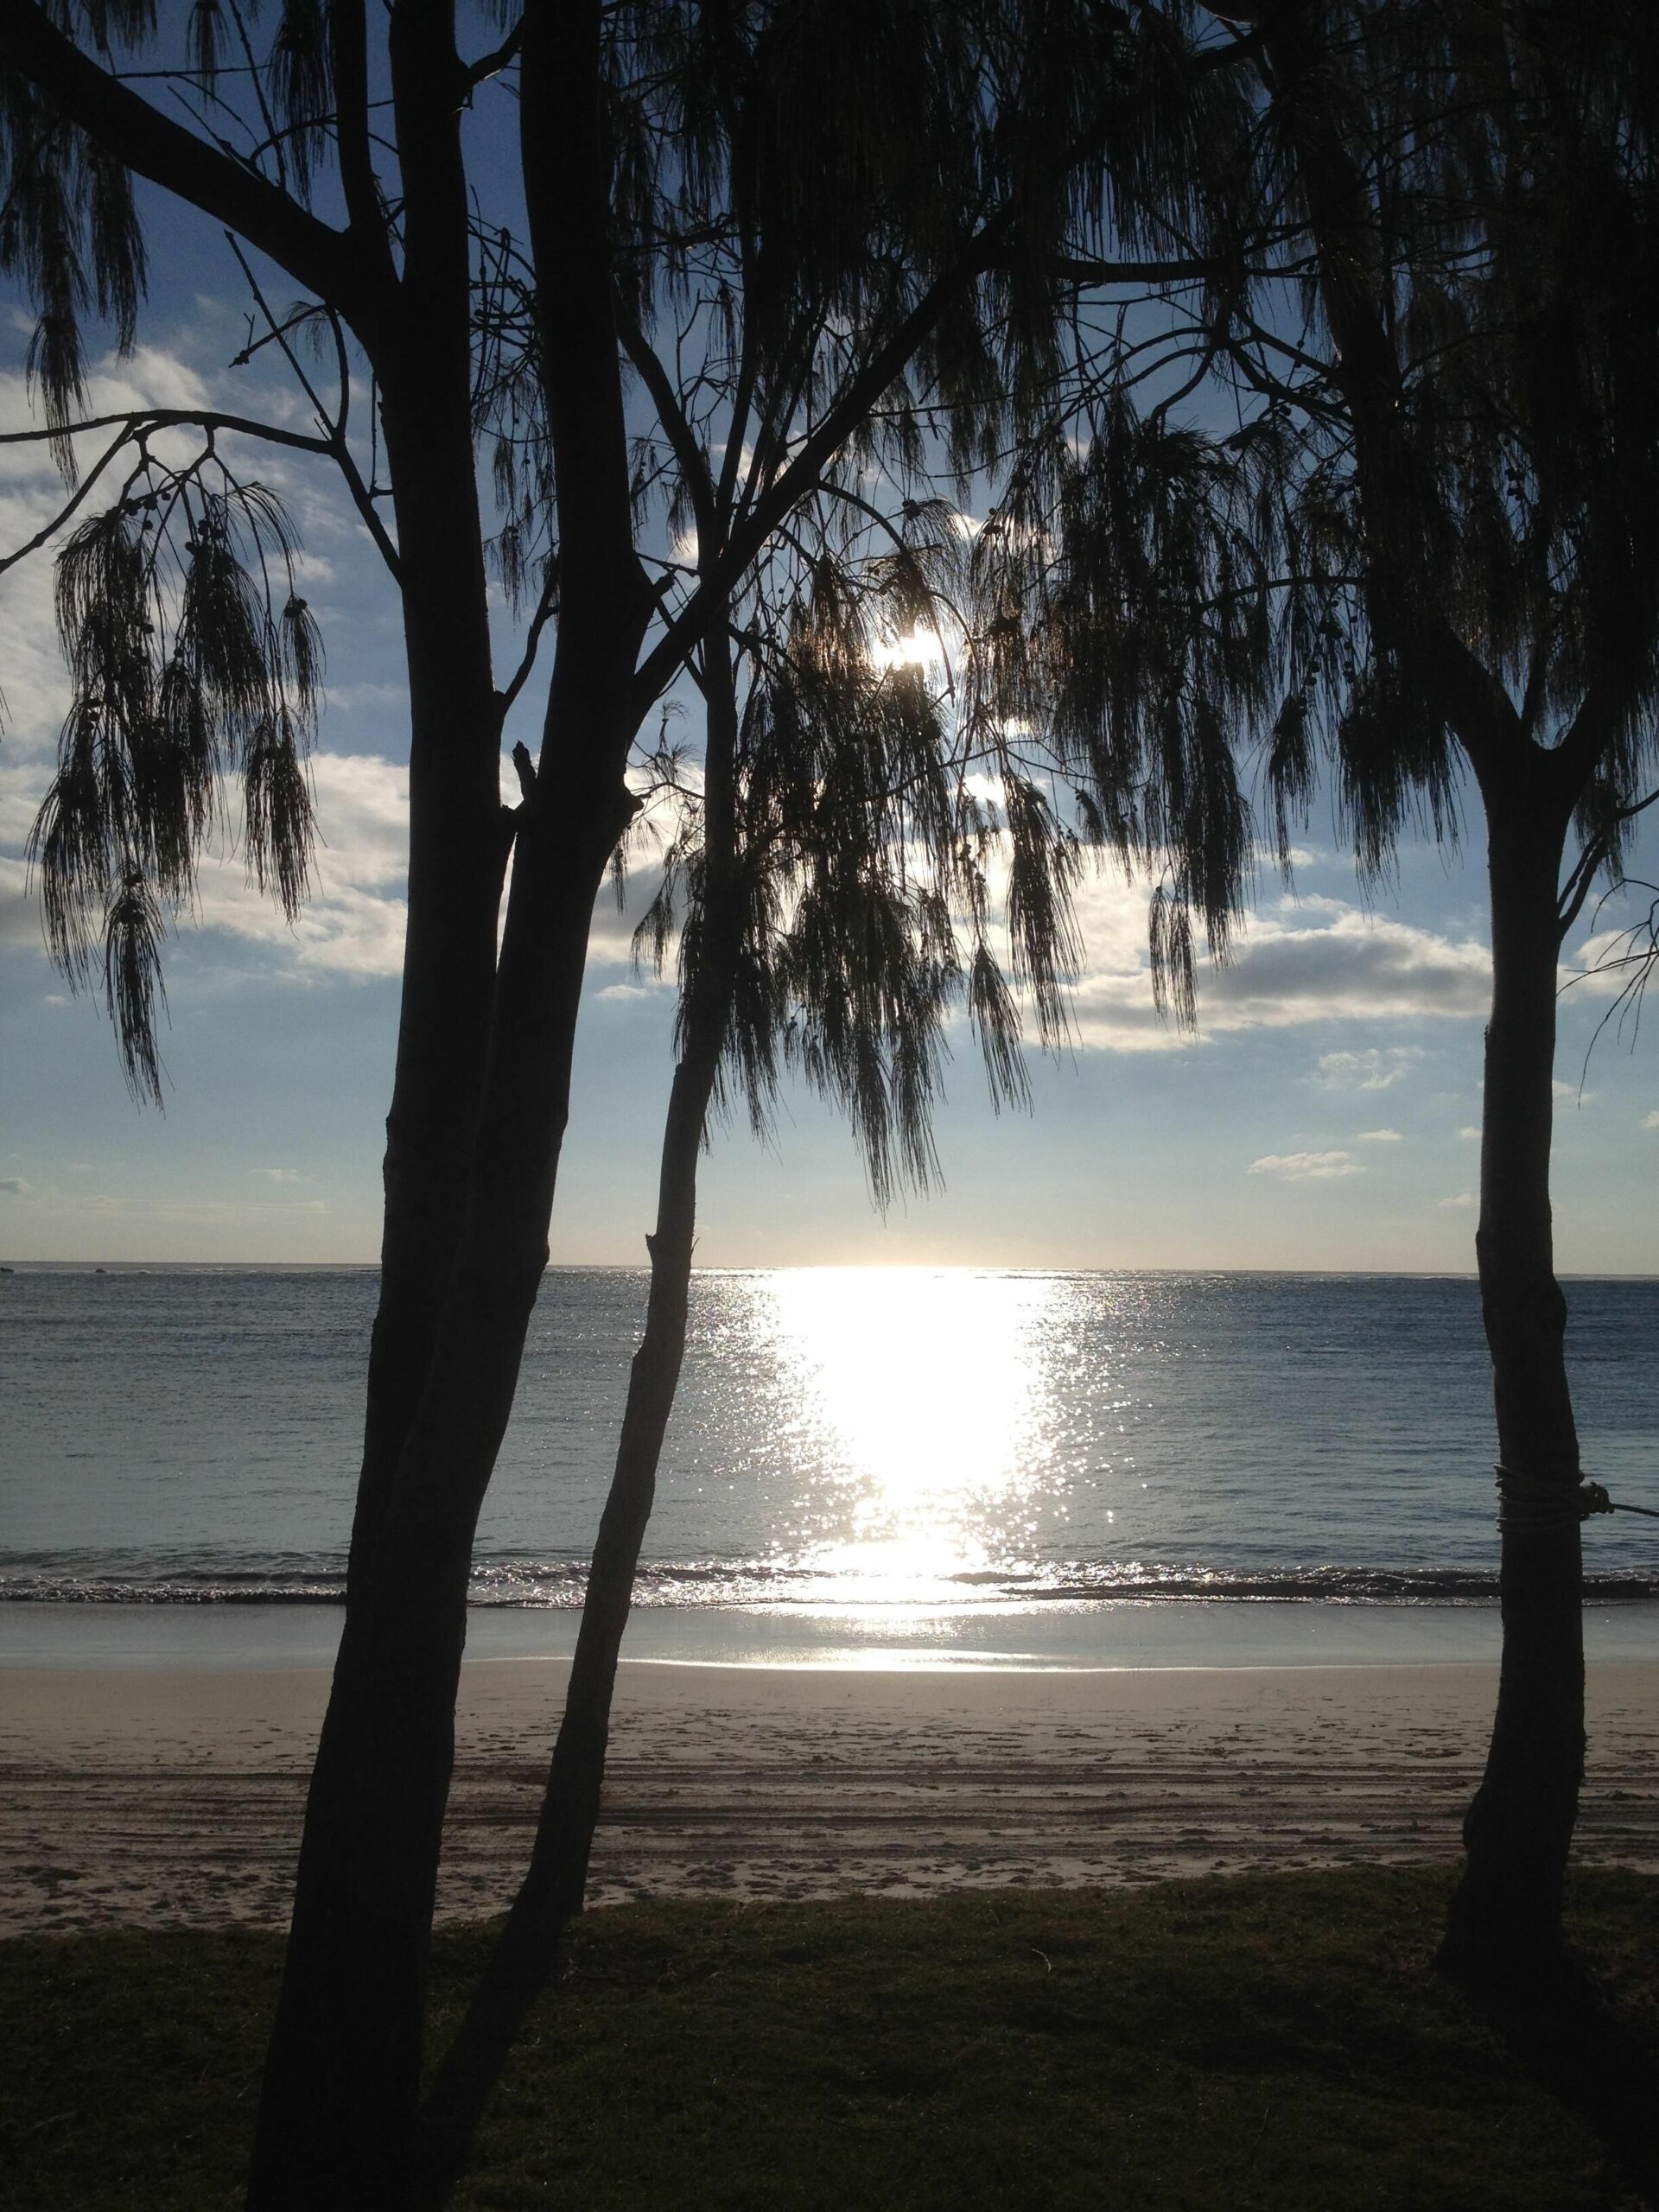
831 886
1427 548
1466 208
834 896
901 166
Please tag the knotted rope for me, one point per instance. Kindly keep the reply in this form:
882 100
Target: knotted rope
1538 1505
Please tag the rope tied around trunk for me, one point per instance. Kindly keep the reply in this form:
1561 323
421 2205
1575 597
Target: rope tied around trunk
1538 1505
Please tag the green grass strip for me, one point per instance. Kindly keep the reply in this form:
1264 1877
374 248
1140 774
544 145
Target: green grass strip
1267 2042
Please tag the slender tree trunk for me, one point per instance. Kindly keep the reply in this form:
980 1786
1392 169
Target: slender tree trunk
346 2034
1506 1917
424 355
458 847
342 2082
553 1886
341 2087
551 1892
552 1889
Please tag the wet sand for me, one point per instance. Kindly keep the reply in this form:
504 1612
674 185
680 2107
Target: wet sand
159 1798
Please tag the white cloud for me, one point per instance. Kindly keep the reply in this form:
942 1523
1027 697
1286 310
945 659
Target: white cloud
1352 968
1300 857
1375 1068
624 993
1560 1090
278 1175
15 1186
1470 1133
1314 961
1305 1166
1379 1136
1464 1199
353 924
1651 1121
1601 967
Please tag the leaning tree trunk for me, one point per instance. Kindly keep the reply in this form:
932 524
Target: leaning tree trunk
552 1889
342 2078
551 1892
1506 1916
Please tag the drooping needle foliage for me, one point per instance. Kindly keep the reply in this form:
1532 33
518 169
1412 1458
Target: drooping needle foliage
192 658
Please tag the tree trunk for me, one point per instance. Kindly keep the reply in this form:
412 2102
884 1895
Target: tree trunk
1505 1918
342 2079
458 846
347 2027
553 1887
336 2125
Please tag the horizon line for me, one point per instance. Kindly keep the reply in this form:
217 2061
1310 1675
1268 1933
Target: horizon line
832 1267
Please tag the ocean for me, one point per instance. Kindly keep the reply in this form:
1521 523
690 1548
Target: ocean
881 1467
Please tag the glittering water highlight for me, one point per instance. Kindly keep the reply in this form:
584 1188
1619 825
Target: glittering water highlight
931 1445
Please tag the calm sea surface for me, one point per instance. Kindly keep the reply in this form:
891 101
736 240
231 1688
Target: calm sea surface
1067 1469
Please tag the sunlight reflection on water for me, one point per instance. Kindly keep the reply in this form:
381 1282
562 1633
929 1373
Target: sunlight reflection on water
895 1454
925 1388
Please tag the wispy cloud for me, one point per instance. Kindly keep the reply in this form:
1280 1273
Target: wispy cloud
1378 1067
1463 1200
15 1186
1379 1136
1305 1166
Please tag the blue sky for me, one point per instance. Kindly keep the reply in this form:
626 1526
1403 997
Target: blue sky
1324 1117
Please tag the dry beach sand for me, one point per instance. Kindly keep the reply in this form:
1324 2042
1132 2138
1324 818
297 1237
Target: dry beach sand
154 1797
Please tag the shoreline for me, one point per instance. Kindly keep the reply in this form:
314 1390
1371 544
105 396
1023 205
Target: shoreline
1087 1636
151 1797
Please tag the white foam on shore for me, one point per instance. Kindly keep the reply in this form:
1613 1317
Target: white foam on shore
1063 1637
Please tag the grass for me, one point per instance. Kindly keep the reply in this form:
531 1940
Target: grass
1255 2043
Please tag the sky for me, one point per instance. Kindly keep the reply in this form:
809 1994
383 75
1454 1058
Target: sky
1323 1116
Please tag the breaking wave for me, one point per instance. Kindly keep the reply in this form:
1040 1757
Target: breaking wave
559 1582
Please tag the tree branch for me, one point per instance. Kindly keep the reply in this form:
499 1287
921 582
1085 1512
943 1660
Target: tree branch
694 465
175 418
538 622
817 450
333 429
1576 889
50 530
322 259
491 65
349 40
